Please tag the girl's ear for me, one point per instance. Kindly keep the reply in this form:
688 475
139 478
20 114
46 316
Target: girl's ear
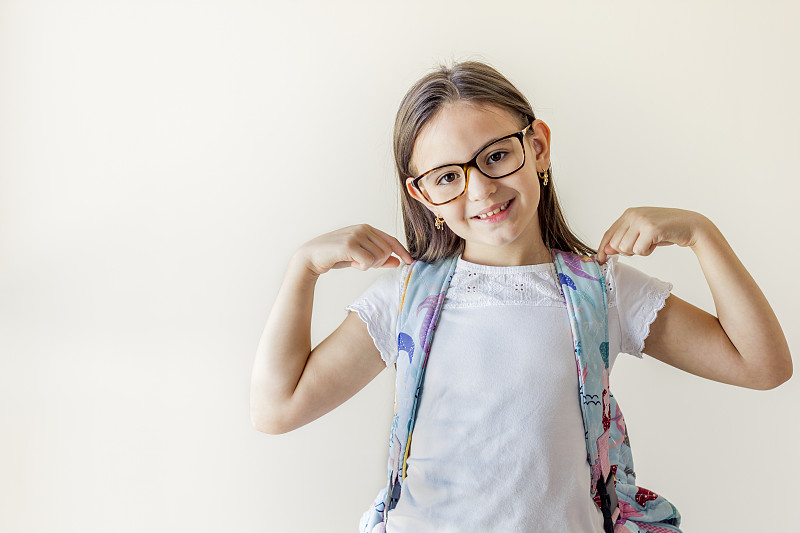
415 194
541 142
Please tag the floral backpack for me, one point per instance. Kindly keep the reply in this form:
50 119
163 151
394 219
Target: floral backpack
626 508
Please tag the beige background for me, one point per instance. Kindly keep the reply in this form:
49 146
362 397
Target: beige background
160 161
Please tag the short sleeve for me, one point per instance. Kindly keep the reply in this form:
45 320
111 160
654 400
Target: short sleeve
378 306
639 298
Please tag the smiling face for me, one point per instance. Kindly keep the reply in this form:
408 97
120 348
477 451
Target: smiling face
511 236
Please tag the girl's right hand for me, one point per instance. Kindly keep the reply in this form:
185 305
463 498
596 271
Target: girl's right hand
360 246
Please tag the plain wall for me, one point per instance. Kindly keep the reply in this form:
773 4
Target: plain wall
161 161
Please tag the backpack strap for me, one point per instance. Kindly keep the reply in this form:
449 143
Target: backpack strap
625 506
420 306
583 288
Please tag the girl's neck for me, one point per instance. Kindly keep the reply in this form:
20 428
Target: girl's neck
503 256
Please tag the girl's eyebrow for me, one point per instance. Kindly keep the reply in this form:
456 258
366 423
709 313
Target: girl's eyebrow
454 162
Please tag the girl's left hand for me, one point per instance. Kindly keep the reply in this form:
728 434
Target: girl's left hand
640 229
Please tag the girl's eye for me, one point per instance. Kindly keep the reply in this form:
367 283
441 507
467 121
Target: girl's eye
447 179
496 157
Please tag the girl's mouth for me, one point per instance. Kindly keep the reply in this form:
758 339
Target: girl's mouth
497 215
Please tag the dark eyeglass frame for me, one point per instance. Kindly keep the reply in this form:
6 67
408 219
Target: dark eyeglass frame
474 163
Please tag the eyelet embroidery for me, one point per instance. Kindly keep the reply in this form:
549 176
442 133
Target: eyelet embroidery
604 269
472 287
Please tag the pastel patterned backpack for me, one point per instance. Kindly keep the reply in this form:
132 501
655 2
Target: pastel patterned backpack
626 508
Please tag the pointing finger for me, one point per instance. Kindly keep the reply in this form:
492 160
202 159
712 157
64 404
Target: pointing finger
396 247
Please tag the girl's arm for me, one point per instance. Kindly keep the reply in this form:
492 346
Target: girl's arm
292 385
745 345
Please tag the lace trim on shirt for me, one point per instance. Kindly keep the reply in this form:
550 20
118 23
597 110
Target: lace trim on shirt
475 285
646 315
371 316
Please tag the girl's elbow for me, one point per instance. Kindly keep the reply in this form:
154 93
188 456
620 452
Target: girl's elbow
262 424
267 425
268 429
787 372
267 419
777 377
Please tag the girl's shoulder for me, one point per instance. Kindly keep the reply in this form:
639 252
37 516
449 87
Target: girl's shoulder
377 306
639 297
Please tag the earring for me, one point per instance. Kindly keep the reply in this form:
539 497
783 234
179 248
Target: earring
545 175
439 222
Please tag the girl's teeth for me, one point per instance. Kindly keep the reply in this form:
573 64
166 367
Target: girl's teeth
492 213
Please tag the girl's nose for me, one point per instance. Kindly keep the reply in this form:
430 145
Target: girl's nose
479 186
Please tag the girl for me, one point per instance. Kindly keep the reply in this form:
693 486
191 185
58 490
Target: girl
500 386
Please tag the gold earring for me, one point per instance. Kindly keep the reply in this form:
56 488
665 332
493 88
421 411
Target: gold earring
545 175
439 222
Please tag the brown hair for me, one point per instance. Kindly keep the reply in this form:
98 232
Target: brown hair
481 84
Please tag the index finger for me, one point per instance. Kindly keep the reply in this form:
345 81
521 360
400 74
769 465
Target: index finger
610 232
396 247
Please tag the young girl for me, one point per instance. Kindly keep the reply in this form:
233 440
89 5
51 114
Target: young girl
500 384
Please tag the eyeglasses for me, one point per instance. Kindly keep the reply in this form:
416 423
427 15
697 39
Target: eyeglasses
496 160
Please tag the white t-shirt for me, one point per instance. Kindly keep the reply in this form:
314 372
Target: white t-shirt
498 443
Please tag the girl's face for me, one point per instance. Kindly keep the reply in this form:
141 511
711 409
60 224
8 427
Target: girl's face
454 135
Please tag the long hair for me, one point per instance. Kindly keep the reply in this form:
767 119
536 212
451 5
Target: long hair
479 83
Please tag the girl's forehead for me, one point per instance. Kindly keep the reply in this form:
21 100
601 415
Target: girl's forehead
457 131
